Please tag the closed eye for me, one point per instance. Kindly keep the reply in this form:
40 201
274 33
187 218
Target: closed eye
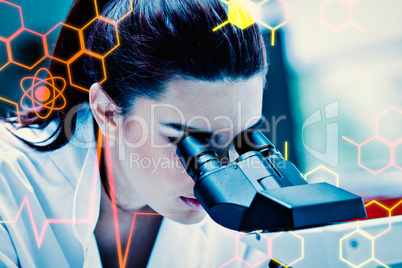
173 141
260 124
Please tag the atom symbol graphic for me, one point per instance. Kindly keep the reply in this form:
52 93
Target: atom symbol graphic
43 93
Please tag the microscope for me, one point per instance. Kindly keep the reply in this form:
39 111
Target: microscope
260 190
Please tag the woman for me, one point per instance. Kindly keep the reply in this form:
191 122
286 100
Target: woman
169 74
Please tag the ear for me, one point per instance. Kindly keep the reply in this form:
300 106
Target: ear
105 111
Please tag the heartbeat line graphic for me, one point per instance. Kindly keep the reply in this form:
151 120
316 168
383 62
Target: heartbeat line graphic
40 234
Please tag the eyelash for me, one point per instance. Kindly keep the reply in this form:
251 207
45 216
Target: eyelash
172 141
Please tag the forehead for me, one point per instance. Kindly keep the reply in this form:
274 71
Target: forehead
224 107
201 100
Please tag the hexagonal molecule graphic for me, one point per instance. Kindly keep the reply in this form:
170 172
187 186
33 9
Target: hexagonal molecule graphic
244 13
129 10
96 12
254 258
375 155
4 58
357 248
44 92
398 156
10 28
335 15
376 208
13 106
75 65
28 49
91 11
101 51
385 123
274 25
70 49
235 251
322 174
338 14
385 136
258 258
294 244
397 209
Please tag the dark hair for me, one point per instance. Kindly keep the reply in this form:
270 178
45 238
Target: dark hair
159 40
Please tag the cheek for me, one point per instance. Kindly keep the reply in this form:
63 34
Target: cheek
168 164
157 157
135 132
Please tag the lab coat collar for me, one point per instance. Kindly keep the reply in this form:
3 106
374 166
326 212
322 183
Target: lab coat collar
76 150
78 161
179 245
86 204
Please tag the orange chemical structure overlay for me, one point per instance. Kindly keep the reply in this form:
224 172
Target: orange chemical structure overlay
43 93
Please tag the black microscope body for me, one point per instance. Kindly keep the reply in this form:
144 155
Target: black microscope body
261 190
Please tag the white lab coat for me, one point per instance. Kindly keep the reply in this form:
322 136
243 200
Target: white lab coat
49 207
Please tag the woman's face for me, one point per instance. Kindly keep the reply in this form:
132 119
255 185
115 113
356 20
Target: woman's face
146 167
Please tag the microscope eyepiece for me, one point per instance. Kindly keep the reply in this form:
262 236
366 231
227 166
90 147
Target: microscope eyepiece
197 156
255 140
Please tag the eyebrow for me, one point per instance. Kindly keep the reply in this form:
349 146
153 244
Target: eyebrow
206 133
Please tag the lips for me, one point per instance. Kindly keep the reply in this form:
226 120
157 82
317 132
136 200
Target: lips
192 203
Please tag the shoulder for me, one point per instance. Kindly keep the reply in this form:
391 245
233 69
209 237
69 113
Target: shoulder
36 187
17 159
13 151
22 169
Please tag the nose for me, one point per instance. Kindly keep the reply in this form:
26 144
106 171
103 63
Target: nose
224 157
227 156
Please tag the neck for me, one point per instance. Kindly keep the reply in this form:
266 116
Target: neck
121 191
123 200
116 234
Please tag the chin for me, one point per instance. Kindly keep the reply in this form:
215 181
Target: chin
191 217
